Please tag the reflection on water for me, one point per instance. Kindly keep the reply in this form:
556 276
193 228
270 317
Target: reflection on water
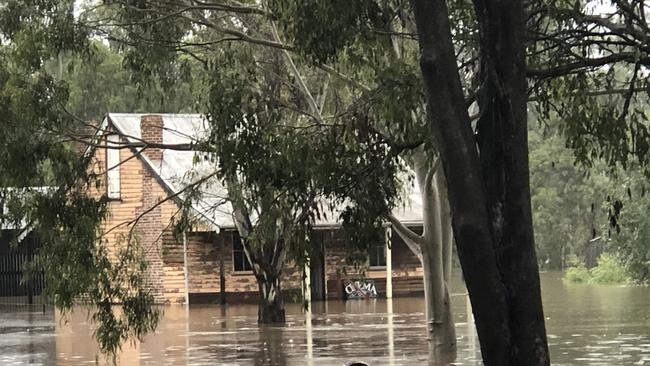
26 337
587 325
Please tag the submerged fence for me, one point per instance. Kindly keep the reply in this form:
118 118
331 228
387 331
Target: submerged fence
21 282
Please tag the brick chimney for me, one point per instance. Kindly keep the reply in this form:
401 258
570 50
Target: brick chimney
150 225
151 127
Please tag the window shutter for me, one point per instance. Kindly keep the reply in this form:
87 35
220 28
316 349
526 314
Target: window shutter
113 167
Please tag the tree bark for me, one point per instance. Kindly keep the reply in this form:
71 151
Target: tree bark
455 141
503 146
440 325
491 225
428 247
267 263
445 226
271 305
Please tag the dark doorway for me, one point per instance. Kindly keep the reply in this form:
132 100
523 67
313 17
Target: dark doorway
317 266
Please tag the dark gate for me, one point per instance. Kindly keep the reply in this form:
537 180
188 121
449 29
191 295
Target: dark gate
15 286
317 267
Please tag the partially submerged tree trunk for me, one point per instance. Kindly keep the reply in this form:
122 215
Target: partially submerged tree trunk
503 146
267 261
429 248
271 305
440 325
492 225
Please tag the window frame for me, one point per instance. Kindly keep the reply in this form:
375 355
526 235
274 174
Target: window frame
113 168
373 249
247 266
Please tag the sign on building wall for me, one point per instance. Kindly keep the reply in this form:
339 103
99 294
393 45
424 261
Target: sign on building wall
360 289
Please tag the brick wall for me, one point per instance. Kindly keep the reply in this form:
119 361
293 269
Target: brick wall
203 259
244 282
406 268
140 191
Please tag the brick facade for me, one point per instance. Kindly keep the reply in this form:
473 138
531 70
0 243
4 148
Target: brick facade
406 268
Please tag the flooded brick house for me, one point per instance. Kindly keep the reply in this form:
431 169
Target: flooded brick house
144 181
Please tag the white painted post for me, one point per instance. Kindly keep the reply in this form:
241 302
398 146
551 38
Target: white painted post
391 333
389 266
306 286
310 338
185 271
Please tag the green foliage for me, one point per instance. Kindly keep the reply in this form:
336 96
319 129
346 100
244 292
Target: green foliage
601 105
149 41
98 84
577 274
567 200
608 272
631 238
43 177
122 280
572 205
321 29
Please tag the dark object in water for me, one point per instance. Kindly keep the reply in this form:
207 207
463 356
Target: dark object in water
356 363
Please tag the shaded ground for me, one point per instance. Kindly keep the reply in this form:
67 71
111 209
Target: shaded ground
587 325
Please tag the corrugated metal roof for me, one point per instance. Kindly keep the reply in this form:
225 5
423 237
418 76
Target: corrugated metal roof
178 168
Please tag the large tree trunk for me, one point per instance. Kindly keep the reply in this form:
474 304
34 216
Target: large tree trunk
496 302
455 141
503 146
271 305
428 247
440 325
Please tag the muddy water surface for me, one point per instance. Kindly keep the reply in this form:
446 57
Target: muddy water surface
587 325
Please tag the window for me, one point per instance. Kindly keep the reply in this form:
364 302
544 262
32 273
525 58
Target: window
112 167
377 255
241 262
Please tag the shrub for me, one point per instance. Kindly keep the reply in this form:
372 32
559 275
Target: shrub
578 274
608 271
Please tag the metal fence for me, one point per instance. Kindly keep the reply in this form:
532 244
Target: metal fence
18 285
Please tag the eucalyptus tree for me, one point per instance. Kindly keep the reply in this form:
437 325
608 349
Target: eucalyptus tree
43 178
266 155
566 47
488 193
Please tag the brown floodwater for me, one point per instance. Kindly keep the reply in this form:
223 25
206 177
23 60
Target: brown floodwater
587 325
